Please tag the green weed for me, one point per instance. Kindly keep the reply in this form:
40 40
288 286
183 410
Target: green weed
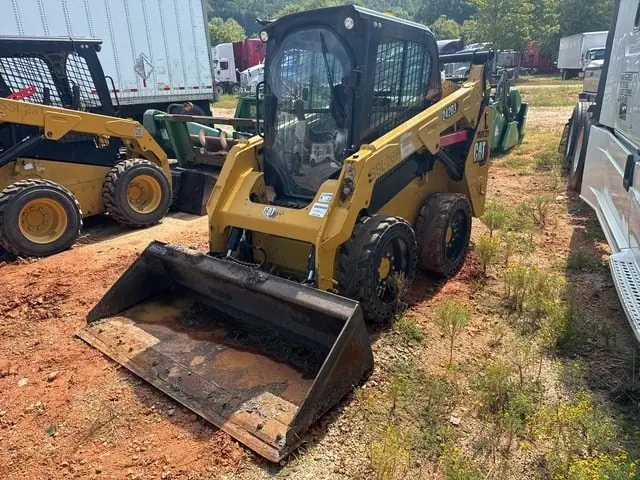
487 248
408 329
426 401
574 428
538 209
603 466
509 244
495 216
531 291
456 465
452 316
390 455
509 399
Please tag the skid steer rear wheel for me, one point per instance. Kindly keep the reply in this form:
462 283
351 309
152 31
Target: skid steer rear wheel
443 230
38 218
136 193
377 264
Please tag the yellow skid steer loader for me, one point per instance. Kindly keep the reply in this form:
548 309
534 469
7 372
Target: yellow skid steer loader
368 166
61 149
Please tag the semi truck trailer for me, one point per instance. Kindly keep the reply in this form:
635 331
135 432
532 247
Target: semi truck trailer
154 52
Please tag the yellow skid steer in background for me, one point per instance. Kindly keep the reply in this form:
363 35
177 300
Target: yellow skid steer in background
368 168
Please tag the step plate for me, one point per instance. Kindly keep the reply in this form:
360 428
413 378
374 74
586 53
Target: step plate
626 277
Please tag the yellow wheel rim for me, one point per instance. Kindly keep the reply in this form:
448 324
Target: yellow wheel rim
449 235
43 221
144 194
384 268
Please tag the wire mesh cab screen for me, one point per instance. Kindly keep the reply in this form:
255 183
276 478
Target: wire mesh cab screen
60 80
401 84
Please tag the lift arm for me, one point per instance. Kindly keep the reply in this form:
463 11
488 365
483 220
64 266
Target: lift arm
57 122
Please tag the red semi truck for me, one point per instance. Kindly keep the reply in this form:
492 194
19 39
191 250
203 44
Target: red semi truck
534 60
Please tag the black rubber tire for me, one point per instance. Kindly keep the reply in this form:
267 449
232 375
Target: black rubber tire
114 193
359 260
578 118
574 175
15 196
432 223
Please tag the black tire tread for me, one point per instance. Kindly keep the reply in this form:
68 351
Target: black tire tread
431 224
14 189
109 197
356 261
580 114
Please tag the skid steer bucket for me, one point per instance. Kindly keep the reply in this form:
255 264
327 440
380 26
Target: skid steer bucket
259 356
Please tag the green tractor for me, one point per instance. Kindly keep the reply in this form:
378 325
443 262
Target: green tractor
199 147
510 115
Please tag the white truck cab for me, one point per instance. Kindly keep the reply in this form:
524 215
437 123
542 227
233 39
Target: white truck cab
603 154
224 69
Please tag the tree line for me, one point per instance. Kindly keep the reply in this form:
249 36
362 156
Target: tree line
508 24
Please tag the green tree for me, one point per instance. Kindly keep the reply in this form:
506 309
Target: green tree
507 24
445 28
578 16
223 31
431 10
546 26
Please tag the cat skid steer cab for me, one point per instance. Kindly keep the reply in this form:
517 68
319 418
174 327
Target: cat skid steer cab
266 332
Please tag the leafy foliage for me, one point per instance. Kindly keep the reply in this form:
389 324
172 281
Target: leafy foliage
223 31
506 23
445 28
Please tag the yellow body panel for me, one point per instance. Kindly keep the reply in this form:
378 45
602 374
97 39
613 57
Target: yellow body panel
84 181
242 175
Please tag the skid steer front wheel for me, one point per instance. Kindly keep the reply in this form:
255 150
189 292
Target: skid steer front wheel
136 193
443 230
38 218
377 265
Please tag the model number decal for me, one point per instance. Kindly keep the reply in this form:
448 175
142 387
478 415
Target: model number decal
449 111
480 152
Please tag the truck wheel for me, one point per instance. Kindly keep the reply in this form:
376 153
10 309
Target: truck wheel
136 193
576 161
220 91
578 118
38 218
377 265
443 231
235 90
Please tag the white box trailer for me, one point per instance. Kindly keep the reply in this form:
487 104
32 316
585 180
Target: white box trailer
156 51
573 49
603 155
